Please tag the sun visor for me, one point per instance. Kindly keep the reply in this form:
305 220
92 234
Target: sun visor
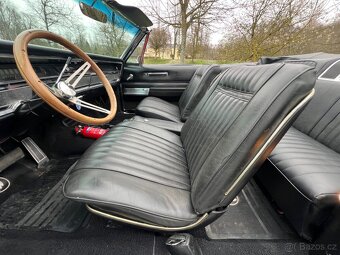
131 13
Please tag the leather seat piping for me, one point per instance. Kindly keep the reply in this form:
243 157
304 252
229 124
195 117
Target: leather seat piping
147 225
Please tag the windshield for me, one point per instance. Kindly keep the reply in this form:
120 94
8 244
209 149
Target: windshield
65 18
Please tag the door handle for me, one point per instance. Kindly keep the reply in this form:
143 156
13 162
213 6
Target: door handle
151 74
130 77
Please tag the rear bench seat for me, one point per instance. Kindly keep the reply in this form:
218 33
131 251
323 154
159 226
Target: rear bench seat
303 172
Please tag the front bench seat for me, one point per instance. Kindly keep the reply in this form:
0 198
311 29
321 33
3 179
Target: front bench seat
149 177
153 107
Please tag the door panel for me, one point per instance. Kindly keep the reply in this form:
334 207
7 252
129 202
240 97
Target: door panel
164 81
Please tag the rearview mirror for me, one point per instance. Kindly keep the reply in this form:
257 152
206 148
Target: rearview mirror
93 13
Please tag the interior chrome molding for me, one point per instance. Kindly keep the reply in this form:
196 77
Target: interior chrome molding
146 225
137 91
276 132
324 72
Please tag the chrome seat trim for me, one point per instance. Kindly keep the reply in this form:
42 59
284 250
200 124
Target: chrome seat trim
146 225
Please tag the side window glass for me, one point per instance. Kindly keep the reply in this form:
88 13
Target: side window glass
136 56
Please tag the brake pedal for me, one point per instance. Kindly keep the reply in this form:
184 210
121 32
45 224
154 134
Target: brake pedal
38 155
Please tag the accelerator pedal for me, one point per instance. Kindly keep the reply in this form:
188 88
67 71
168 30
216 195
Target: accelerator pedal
38 155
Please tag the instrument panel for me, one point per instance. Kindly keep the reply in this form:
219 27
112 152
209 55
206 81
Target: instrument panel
14 90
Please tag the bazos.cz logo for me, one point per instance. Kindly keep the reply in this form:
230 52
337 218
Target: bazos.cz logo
330 248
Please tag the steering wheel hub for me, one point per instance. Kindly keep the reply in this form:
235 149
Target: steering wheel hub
65 90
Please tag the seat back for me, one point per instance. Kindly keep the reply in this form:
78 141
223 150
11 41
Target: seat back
321 118
233 124
198 86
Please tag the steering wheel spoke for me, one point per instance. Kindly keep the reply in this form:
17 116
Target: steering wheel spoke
82 103
82 70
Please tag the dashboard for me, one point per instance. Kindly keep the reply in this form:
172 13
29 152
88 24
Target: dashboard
15 93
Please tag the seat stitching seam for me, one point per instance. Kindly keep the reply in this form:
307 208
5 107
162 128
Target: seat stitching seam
159 110
168 163
76 170
141 134
130 207
152 134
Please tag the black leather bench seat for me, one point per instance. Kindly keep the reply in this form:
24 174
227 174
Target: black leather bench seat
152 107
303 177
311 167
303 172
157 178
143 175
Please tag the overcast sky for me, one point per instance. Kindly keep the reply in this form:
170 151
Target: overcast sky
215 38
129 2
332 10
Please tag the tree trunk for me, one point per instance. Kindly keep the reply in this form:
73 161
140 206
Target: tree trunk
184 31
198 38
45 17
193 44
175 43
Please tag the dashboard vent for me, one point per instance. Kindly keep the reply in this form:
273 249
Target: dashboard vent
9 74
332 73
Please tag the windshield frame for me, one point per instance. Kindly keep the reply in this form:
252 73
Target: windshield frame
134 44
110 12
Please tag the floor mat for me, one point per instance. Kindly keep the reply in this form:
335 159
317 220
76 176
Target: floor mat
42 204
101 236
250 217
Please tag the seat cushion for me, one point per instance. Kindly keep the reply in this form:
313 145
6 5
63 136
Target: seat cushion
153 107
311 167
154 187
303 176
175 127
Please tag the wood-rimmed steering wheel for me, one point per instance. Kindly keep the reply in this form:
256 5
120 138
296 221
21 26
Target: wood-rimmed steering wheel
63 93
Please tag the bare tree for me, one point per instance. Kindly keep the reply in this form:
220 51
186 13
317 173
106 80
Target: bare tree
174 42
113 39
159 40
82 41
53 14
265 27
199 40
12 22
182 14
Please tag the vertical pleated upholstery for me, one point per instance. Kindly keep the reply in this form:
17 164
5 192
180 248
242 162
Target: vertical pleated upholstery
235 117
321 118
198 86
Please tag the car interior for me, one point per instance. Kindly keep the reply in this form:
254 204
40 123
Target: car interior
103 156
